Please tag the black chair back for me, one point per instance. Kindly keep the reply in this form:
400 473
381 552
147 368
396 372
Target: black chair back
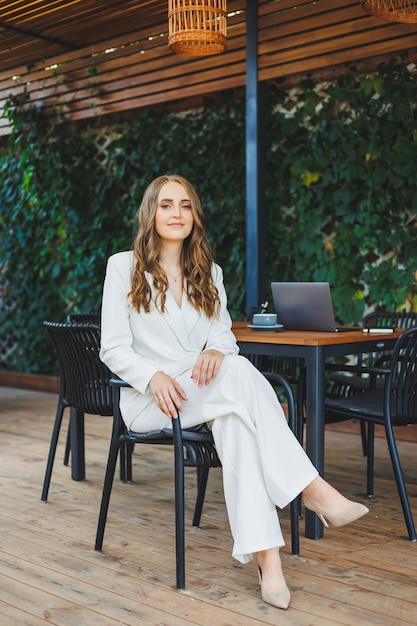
403 319
401 384
85 377
89 318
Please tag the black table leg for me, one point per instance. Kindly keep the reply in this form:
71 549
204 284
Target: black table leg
315 426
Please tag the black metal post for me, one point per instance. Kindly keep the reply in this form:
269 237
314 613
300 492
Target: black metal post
255 165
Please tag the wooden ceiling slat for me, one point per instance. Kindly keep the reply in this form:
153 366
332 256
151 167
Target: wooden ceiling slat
19 11
280 13
153 74
153 71
150 81
295 38
139 56
352 32
88 55
173 90
302 50
68 64
310 23
137 66
125 72
335 59
141 99
291 6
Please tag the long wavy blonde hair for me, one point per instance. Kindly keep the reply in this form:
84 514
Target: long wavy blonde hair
196 258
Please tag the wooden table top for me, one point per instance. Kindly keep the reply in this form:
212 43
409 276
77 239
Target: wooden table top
308 337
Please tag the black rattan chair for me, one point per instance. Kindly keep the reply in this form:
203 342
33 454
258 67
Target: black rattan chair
350 381
393 404
84 388
79 318
192 448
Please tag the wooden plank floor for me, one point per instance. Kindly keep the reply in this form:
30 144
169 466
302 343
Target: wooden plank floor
49 572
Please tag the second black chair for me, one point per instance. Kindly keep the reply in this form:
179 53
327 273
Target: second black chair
350 381
79 318
84 388
393 404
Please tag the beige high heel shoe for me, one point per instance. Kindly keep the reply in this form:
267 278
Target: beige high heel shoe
348 515
276 597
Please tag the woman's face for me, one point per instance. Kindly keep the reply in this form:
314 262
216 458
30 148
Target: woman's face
174 215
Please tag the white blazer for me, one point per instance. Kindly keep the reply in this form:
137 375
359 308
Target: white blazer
137 345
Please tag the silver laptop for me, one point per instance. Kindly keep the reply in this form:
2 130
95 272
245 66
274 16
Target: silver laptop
305 306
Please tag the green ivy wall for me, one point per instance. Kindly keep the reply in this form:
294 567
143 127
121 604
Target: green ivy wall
340 183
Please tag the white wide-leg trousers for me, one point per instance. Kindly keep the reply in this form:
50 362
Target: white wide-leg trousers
264 466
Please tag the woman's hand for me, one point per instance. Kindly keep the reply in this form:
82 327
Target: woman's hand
206 367
167 393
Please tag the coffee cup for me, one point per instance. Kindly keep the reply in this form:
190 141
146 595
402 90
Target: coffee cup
264 319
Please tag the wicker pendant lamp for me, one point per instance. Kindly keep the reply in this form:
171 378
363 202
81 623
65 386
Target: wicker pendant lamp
393 10
197 27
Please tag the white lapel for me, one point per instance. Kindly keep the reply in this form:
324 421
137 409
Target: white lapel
180 320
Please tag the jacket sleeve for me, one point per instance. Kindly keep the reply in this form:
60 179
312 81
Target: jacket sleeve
116 336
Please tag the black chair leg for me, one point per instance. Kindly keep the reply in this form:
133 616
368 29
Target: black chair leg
179 503
202 477
67 447
122 462
363 438
399 478
105 499
77 444
68 444
370 446
52 449
125 456
299 410
129 453
295 509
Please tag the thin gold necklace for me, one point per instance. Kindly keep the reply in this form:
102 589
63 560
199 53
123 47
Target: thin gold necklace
174 278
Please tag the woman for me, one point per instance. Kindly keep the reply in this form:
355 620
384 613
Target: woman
167 332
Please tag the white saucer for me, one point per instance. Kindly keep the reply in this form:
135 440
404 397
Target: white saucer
265 328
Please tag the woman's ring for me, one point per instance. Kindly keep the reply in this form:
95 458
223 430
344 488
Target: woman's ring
161 397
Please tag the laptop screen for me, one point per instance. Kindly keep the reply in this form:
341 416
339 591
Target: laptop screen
303 305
